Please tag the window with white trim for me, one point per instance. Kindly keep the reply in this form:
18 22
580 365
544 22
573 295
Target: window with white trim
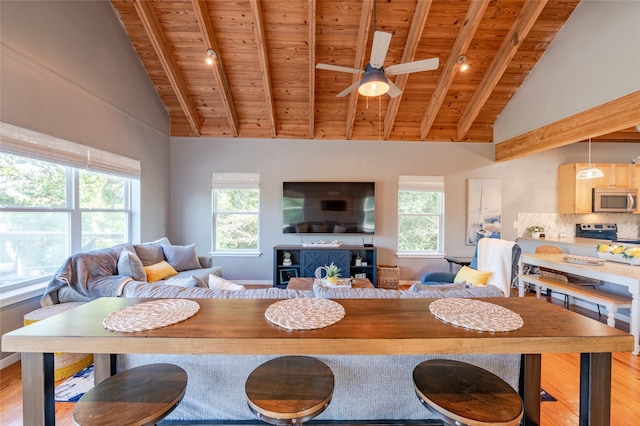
57 198
421 215
236 212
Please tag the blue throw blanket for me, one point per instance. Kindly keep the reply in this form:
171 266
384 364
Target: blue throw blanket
92 274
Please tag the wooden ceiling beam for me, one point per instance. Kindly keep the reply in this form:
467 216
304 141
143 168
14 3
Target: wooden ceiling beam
312 67
517 33
361 46
209 37
163 50
465 35
409 54
609 117
264 64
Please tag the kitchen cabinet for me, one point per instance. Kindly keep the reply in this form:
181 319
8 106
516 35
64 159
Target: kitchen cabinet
575 196
616 176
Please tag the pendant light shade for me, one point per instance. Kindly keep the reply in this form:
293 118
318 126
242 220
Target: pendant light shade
591 172
373 83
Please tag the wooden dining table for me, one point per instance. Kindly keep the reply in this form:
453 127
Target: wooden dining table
369 327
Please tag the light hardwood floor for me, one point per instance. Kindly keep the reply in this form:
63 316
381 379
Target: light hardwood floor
559 378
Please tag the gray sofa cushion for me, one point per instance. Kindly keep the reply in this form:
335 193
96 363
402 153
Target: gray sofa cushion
130 264
450 290
159 290
182 258
151 253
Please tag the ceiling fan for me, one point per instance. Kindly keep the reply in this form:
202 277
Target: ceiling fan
375 81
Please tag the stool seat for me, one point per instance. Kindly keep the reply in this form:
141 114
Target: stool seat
464 394
289 389
139 396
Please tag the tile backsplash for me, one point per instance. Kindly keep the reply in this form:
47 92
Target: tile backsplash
554 224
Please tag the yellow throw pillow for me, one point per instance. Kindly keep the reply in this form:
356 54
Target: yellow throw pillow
159 271
472 276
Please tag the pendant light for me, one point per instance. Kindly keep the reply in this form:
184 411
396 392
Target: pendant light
591 172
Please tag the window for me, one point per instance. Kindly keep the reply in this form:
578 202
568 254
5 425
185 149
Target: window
421 215
236 212
50 209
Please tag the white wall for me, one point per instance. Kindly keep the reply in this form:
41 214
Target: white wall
67 69
594 59
528 185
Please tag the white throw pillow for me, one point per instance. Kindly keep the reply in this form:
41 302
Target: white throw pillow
219 283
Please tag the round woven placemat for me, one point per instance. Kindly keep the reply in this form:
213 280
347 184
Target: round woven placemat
475 314
150 315
304 313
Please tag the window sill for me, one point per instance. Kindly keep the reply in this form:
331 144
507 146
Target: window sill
420 255
235 253
17 295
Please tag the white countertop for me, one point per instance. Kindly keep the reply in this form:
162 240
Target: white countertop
570 245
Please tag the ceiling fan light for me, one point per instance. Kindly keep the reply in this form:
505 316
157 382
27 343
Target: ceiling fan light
374 83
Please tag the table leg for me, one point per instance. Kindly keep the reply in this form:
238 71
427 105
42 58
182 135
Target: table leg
38 391
634 327
595 389
530 377
102 367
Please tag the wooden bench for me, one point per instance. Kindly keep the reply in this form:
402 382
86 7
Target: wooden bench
611 301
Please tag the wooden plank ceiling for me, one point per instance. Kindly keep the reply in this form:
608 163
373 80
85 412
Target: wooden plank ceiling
263 82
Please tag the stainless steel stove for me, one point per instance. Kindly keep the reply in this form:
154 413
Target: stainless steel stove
602 231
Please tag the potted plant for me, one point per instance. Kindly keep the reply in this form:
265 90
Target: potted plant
535 230
333 272
286 258
358 259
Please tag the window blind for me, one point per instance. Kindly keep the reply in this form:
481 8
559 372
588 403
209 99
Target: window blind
40 146
235 180
421 183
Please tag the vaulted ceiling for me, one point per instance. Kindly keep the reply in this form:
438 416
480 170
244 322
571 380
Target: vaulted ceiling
263 82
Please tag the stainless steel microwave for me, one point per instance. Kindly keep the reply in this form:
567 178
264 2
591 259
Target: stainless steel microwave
615 200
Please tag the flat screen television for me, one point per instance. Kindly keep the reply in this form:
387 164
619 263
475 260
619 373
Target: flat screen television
328 207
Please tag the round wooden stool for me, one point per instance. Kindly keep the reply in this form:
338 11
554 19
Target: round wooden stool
289 389
139 396
463 394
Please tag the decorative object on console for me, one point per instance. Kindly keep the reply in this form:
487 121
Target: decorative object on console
286 258
333 272
358 261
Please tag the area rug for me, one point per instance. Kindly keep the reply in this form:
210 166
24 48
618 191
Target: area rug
72 389
546 396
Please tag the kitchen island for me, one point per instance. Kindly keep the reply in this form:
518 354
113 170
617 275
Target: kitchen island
624 275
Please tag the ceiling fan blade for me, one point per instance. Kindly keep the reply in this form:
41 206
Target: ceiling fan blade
339 68
394 90
348 90
379 48
415 66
